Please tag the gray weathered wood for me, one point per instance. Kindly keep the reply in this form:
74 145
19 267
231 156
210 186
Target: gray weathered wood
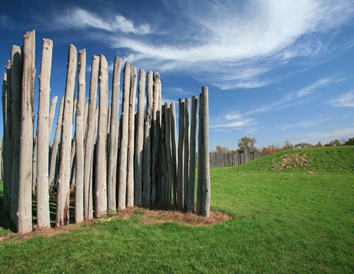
200 156
131 130
6 146
43 217
90 139
62 216
186 150
101 160
113 137
123 152
190 204
147 160
54 155
168 153
139 141
205 170
174 153
180 185
24 213
51 114
79 135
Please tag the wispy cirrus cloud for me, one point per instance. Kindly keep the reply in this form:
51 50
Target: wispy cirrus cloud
304 124
81 18
232 120
344 100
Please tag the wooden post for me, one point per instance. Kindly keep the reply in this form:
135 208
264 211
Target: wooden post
79 135
200 156
113 137
186 151
123 152
180 185
174 153
43 217
205 170
130 168
101 160
24 213
168 153
51 114
6 146
62 217
90 139
15 95
162 168
54 156
149 91
139 139
190 205
147 160
155 135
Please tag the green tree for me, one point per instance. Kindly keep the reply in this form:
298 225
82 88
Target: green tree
221 149
350 142
247 144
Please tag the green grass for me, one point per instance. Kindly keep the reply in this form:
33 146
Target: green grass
282 222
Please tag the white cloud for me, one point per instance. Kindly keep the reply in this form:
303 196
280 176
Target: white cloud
338 134
311 88
304 124
233 120
80 18
345 100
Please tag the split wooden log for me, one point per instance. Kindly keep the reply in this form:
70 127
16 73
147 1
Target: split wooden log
123 152
54 155
168 153
62 216
174 153
139 141
147 160
90 139
101 160
79 135
114 135
131 130
180 184
186 151
190 204
15 95
24 212
6 146
51 114
43 137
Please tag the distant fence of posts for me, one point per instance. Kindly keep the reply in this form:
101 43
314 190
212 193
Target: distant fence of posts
112 162
219 159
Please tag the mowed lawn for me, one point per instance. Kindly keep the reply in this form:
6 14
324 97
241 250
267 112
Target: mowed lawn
281 222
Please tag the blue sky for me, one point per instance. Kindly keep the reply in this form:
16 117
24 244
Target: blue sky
276 70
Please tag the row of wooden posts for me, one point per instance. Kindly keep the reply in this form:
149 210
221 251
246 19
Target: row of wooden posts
219 159
98 160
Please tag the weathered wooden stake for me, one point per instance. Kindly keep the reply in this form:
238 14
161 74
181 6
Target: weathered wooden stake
43 217
90 139
139 141
190 205
79 135
147 160
180 184
174 153
54 155
186 151
131 130
24 213
168 153
51 114
123 152
62 216
101 160
113 137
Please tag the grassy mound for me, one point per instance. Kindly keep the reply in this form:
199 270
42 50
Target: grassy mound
322 159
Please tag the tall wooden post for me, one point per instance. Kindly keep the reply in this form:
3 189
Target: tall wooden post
79 135
6 146
113 137
90 139
168 153
54 155
180 184
101 160
147 160
131 130
123 152
174 153
14 111
24 213
190 204
186 151
43 217
139 141
62 217
51 114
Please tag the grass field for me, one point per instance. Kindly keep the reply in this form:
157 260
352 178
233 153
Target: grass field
299 219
